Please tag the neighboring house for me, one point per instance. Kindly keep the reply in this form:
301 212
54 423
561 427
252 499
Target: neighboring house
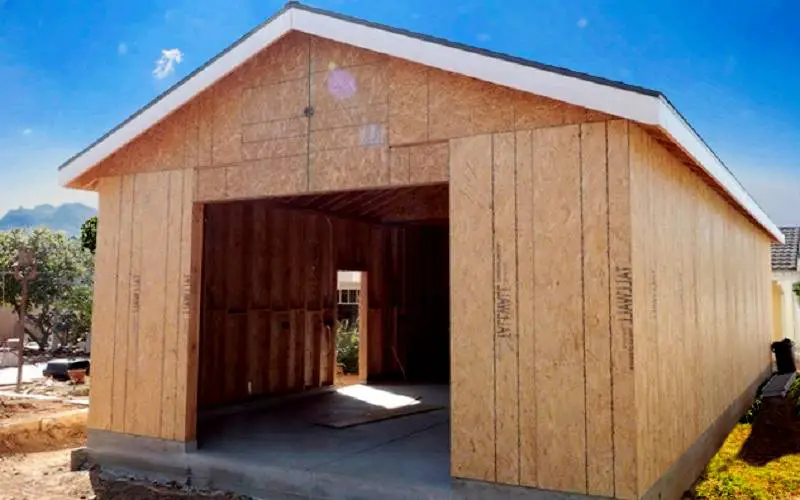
348 287
785 273
566 249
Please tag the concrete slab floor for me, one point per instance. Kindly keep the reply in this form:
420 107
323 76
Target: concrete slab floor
410 452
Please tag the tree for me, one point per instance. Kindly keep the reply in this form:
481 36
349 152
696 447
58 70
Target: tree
796 288
60 297
89 234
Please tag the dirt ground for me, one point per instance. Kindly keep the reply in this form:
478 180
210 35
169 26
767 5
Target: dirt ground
44 476
13 409
50 387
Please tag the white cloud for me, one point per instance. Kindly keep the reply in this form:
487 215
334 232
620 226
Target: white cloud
165 65
582 23
122 48
27 131
484 37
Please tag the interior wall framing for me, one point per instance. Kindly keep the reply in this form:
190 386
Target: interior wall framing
269 299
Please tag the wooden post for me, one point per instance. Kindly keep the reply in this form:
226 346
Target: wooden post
363 337
24 271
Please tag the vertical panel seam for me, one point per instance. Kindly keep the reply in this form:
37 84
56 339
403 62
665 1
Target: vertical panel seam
533 304
179 311
134 327
164 307
116 298
494 305
428 113
583 310
308 118
516 305
610 314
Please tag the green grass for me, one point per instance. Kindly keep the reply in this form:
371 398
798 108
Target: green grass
727 476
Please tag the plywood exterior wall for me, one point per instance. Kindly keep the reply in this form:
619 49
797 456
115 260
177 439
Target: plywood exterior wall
535 353
144 343
701 302
304 115
586 262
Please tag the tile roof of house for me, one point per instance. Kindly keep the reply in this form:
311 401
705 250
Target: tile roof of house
784 256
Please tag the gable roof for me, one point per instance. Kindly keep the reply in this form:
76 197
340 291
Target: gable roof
785 255
638 104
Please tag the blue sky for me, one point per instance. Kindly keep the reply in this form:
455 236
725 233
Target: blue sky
72 69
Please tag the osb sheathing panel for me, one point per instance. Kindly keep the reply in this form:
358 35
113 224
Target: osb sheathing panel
596 306
472 395
549 207
506 342
419 164
286 59
306 96
621 313
105 291
701 297
560 375
408 102
145 297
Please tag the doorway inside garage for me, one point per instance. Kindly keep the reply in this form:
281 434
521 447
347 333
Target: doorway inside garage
269 354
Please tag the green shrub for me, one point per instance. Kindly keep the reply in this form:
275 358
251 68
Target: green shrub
794 395
755 408
752 412
347 346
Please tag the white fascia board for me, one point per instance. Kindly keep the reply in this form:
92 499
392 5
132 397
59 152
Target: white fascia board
671 122
173 100
608 99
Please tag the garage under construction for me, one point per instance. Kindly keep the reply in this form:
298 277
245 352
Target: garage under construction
537 250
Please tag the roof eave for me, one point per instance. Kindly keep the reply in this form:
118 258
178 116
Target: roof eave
633 103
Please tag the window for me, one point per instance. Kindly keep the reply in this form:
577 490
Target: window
349 296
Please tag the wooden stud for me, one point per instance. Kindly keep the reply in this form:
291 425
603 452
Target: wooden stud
363 329
189 332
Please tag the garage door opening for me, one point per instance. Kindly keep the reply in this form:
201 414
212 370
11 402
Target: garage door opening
289 286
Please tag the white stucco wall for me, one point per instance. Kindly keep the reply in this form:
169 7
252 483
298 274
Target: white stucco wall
349 280
790 308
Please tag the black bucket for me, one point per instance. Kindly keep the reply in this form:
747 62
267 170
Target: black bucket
784 356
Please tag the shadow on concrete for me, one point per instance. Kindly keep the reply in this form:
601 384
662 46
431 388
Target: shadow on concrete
775 433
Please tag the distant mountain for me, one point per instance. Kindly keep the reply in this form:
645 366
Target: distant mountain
67 217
